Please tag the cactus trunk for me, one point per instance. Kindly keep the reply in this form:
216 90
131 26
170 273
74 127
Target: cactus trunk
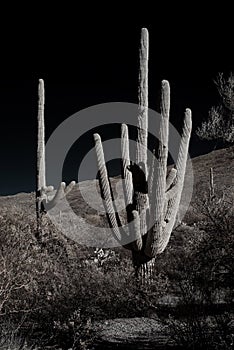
43 201
40 176
212 193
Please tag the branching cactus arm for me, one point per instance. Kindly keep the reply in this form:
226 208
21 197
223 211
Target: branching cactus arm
170 178
160 181
174 201
105 186
132 214
151 175
159 185
127 175
61 193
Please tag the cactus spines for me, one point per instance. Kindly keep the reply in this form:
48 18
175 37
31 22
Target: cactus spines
45 198
152 200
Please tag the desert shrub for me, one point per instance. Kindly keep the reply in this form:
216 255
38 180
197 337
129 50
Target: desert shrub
46 283
220 122
196 332
11 337
203 277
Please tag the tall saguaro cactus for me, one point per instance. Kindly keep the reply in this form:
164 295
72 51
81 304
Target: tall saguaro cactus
152 194
46 196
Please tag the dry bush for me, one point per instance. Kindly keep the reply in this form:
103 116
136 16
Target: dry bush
46 283
220 122
204 278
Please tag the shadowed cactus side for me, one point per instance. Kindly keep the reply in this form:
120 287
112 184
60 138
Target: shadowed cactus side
46 196
152 196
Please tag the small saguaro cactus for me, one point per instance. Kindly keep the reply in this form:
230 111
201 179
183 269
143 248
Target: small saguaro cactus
46 196
212 192
152 194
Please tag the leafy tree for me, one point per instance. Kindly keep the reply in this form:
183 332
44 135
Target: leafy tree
220 122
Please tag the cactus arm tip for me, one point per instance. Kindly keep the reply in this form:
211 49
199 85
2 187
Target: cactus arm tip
170 178
165 83
41 90
144 32
165 99
69 187
124 126
188 119
96 137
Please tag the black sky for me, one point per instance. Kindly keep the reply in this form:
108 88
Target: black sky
84 65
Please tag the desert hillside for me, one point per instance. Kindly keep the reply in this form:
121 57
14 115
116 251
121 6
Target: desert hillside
222 162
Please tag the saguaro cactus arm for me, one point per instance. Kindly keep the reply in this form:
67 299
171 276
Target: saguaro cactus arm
160 183
174 202
159 186
127 175
151 175
51 201
132 214
156 243
170 178
105 186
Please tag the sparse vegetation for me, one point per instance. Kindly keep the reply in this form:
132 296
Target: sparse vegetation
204 277
58 290
220 122
50 291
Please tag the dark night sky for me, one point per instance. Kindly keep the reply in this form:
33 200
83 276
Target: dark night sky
85 67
